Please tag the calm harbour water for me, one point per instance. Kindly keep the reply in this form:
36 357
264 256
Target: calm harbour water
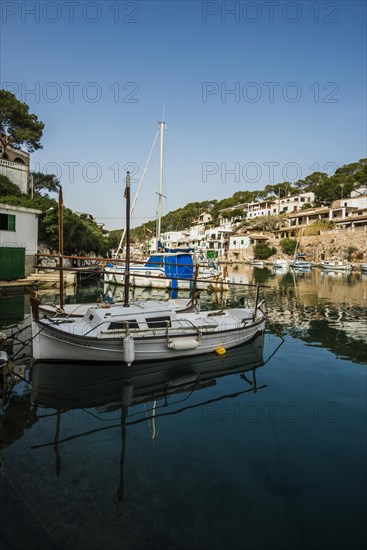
262 448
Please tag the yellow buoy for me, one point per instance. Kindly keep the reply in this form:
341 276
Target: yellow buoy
220 351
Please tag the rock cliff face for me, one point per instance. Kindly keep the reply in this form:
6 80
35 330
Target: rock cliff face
344 245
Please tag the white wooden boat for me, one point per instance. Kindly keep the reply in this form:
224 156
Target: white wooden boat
364 268
336 265
143 331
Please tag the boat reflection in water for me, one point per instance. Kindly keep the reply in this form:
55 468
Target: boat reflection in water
75 385
112 388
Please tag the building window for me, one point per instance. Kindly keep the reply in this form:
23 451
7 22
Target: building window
302 199
234 242
7 222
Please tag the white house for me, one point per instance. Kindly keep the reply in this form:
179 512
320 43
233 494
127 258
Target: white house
355 202
18 240
226 218
294 203
203 218
217 241
268 207
239 242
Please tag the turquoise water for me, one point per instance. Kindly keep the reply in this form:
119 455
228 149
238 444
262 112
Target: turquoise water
263 448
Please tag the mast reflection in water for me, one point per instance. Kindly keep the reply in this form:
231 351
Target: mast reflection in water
226 452
165 389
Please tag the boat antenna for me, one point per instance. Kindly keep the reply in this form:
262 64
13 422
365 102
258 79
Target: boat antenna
127 260
160 194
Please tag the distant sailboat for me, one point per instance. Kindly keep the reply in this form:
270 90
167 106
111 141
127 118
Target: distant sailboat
299 262
165 268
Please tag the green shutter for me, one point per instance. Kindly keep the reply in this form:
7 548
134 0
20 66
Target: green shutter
7 222
11 222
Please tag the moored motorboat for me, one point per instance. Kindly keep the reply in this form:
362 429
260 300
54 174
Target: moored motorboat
364 268
336 265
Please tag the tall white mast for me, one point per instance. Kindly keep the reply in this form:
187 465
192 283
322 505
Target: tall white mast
160 195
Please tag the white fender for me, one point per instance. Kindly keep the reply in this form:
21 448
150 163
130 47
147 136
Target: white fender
180 344
129 350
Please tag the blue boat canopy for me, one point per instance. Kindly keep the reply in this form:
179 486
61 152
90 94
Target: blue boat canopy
179 265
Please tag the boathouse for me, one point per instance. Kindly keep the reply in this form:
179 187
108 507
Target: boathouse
18 241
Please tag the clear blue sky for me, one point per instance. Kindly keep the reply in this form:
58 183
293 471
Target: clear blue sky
297 71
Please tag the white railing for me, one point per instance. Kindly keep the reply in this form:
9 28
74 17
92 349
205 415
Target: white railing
15 165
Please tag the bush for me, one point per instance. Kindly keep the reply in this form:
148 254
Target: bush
288 246
7 187
263 251
350 252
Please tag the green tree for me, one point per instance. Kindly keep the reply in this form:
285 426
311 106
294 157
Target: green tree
314 179
281 190
333 188
263 251
7 187
236 213
18 127
114 238
288 246
45 182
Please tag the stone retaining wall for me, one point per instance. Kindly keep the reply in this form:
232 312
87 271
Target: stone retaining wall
343 245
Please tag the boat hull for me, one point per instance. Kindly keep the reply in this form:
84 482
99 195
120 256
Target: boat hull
154 281
52 346
336 267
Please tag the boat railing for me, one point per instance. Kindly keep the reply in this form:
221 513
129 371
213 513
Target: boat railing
178 325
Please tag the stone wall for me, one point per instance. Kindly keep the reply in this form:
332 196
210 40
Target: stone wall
344 244
30 262
16 172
